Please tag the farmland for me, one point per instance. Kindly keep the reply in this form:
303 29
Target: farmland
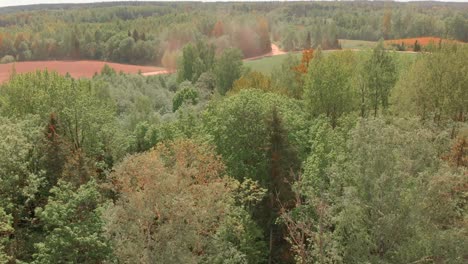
77 69
423 41
357 44
267 64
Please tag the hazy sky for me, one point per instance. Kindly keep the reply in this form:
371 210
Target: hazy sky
28 2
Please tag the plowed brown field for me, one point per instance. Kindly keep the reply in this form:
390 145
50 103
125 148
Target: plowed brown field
86 68
77 69
423 41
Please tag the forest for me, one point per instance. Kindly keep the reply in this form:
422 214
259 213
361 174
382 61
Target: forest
336 156
155 33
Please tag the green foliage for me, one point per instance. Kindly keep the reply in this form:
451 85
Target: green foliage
5 231
386 186
107 70
228 69
238 240
73 226
328 87
86 117
206 82
259 136
196 59
380 75
370 195
20 185
239 129
435 85
458 27
138 98
146 136
185 94
285 79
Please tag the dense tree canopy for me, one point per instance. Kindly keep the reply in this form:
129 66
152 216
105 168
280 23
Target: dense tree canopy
355 156
173 204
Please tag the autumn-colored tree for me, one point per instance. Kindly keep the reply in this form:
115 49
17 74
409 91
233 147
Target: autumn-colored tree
458 155
218 29
263 31
307 56
251 80
19 39
173 201
169 60
387 23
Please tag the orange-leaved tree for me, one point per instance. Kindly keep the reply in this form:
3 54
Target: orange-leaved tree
218 29
307 56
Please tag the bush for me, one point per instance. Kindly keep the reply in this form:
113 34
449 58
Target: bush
186 94
7 59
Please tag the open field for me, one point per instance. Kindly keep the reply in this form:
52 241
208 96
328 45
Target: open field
267 64
357 44
77 69
423 41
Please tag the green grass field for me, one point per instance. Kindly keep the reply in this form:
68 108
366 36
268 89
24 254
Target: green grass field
267 64
357 44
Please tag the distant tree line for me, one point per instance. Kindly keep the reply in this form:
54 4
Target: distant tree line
155 34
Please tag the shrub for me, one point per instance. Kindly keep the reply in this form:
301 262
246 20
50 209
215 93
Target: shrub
186 94
7 59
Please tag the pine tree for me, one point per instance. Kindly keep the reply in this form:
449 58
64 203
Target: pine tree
55 152
283 161
417 46
308 42
135 35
